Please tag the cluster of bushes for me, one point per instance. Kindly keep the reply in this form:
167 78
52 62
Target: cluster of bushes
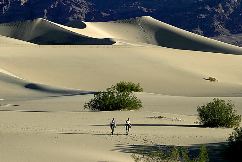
173 154
118 97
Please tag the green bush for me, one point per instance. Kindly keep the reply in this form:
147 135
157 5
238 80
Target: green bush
118 97
218 113
114 100
234 149
127 87
173 154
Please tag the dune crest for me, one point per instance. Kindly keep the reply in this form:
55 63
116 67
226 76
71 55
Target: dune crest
43 32
147 30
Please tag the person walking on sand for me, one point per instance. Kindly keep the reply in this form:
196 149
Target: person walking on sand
112 125
127 126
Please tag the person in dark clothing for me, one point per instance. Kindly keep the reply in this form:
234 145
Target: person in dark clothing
113 125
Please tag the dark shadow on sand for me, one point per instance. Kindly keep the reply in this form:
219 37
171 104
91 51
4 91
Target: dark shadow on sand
94 134
6 110
72 133
60 92
34 111
215 150
158 125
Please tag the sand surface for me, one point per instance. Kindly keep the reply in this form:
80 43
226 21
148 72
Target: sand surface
43 89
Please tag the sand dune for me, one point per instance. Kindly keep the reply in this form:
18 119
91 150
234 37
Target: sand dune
43 88
138 31
41 31
147 30
159 70
15 88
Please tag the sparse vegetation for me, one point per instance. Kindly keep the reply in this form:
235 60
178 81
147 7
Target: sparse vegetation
127 87
173 154
211 79
234 149
112 99
218 113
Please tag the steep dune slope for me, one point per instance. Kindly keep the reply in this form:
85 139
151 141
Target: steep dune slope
41 31
148 30
16 88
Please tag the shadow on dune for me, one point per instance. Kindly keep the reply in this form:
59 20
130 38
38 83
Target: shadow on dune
215 150
43 32
158 125
64 92
26 111
62 38
109 134
94 134
34 111
72 133
172 39
6 110
76 24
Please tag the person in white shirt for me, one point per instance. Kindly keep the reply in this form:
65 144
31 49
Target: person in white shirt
127 126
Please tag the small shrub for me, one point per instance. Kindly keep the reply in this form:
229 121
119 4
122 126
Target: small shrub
218 113
234 149
173 154
114 100
211 79
127 87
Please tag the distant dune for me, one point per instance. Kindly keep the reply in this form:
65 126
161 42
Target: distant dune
43 32
147 30
137 31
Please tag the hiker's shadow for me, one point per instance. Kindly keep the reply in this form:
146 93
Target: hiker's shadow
157 125
109 134
94 134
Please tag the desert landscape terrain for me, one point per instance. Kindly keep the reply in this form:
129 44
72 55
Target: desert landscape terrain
49 71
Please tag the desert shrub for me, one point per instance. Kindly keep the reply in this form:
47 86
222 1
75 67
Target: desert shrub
173 154
127 87
234 149
211 79
218 113
113 100
118 97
